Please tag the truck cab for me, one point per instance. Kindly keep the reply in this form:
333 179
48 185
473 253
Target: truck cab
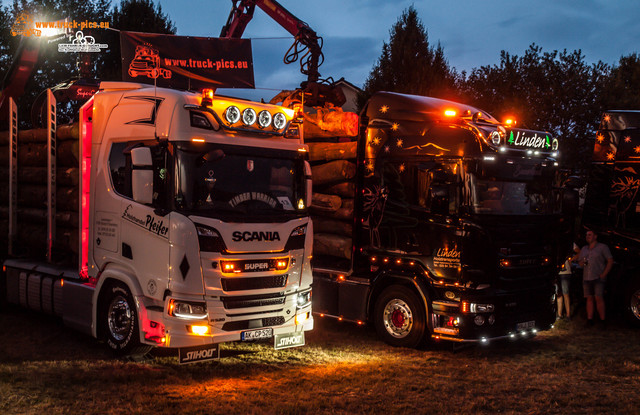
458 226
194 227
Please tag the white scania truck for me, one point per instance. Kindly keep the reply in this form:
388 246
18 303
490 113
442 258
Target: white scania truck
192 224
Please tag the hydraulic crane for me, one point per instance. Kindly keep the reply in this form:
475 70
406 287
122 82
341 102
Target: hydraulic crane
307 43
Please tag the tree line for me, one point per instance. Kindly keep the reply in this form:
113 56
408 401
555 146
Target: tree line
555 91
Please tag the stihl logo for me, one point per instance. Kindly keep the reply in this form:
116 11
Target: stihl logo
290 341
256 236
200 354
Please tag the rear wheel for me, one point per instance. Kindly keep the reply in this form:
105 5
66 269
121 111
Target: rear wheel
119 320
399 317
632 303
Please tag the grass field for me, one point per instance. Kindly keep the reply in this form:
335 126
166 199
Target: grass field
47 368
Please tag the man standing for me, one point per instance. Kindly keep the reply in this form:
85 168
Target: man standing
596 261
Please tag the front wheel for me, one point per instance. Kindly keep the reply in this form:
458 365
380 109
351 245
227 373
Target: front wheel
119 319
632 303
399 317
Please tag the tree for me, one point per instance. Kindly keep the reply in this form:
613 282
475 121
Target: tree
622 88
552 91
408 64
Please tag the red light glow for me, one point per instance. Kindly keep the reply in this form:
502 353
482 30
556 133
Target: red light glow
85 185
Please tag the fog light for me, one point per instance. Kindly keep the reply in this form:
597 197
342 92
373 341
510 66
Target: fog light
199 330
281 264
301 318
484 340
479 320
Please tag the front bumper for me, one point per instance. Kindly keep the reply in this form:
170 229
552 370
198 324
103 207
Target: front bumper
515 316
159 329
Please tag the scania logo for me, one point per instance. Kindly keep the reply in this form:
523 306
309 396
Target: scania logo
255 236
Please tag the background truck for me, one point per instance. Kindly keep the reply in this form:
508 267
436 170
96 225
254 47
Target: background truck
438 222
612 206
183 225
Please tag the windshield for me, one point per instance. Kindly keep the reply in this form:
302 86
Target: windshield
497 197
218 180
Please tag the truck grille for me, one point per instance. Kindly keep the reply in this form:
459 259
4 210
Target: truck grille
253 324
256 283
231 303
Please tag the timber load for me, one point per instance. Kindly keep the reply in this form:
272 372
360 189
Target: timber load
333 167
32 192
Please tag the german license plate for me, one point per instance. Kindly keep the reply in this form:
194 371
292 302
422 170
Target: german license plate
284 341
198 353
256 334
526 325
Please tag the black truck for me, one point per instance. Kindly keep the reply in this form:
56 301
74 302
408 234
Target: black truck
459 226
612 206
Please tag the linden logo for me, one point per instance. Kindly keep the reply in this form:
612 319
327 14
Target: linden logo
521 139
82 43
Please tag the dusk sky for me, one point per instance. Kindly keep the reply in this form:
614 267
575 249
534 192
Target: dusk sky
472 33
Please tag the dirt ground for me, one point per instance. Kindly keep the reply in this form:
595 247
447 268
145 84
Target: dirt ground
48 368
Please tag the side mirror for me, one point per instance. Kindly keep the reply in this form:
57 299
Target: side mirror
439 199
142 175
308 184
570 201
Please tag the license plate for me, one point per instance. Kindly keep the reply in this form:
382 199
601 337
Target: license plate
256 334
198 353
284 341
526 325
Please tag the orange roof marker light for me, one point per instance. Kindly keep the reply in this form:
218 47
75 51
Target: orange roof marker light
450 113
510 121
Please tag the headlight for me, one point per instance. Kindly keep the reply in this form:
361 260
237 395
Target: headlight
304 299
264 119
467 307
481 308
232 114
299 231
249 116
279 121
187 310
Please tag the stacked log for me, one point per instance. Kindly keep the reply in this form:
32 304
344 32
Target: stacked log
32 191
333 171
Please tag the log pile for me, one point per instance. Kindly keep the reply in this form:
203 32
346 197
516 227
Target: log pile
333 171
32 190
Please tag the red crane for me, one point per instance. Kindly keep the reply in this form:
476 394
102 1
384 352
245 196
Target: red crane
307 43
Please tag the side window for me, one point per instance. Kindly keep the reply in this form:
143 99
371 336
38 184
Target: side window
120 166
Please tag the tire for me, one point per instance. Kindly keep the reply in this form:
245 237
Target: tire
399 317
119 321
632 303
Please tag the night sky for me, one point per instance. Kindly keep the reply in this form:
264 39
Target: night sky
472 33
